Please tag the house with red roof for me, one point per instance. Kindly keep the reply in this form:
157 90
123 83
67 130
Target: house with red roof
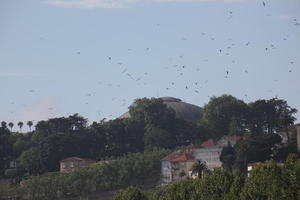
176 166
71 163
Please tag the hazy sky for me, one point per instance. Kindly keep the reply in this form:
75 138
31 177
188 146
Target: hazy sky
94 57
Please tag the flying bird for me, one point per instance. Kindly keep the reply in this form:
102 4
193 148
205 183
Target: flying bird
264 3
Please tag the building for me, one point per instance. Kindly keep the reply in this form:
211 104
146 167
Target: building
71 163
183 110
297 126
251 166
176 166
173 165
210 151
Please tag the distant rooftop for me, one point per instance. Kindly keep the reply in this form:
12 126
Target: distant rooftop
186 111
178 157
75 159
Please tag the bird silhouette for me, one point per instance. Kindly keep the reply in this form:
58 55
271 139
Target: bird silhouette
264 3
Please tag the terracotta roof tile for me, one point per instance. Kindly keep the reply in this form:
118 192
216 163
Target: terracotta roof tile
178 157
75 159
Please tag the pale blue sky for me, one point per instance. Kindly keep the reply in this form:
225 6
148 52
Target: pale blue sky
54 55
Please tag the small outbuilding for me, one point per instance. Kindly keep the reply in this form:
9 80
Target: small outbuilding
71 163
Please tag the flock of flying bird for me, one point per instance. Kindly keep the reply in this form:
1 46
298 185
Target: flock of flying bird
179 69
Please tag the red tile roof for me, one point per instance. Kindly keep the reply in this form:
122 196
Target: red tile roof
255 164
208 143
178 157
75 159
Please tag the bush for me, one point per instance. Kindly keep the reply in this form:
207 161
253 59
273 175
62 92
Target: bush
130 193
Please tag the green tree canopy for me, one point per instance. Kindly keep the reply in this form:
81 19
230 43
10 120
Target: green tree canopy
130 193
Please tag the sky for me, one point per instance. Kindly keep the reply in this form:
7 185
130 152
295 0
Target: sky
94 57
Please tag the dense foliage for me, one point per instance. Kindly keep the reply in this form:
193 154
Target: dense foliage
270 181
137 169
152 125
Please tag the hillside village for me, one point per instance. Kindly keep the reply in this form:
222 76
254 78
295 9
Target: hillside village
160 141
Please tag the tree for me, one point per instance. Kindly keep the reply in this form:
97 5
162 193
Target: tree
3 124
291 176
254 148
20 124
215 186
269 116
285 115
152 111
157 137
236 187
265 182
3 128
29 124
227 157
31 160
130 193
11 125
225 115
198 167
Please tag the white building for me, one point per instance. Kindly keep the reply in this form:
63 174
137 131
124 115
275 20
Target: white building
178 165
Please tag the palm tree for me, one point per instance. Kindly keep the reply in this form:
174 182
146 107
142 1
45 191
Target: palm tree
198 167
3 124
11 125
29 123
20 124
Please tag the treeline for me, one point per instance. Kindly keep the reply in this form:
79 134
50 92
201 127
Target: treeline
151 125
270 181
137 169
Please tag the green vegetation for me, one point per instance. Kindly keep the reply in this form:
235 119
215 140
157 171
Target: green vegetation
127 145
269 181
137 169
